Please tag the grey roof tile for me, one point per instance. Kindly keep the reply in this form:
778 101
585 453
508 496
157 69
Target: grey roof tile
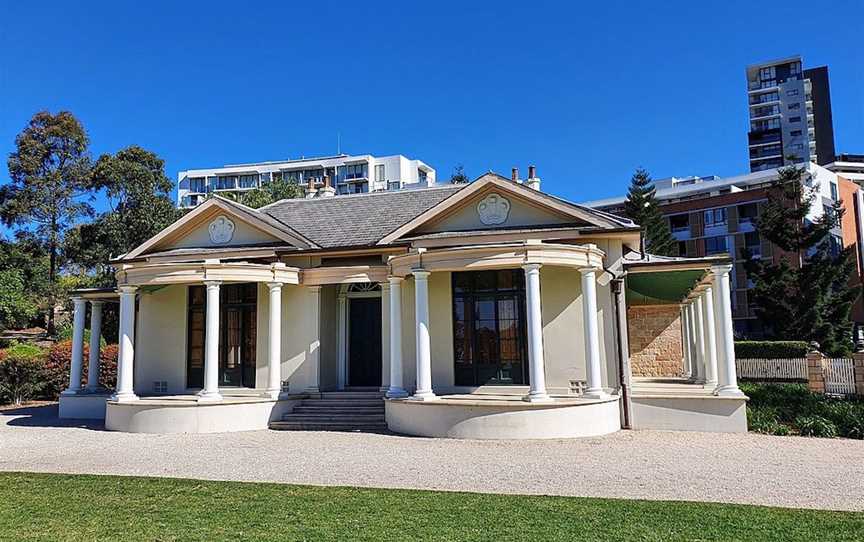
356 219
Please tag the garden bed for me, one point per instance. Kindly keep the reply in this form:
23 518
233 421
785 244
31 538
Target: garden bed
791 409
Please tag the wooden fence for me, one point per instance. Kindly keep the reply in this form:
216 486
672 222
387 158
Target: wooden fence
839 376
780 369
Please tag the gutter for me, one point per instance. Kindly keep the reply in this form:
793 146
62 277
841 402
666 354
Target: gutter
623 357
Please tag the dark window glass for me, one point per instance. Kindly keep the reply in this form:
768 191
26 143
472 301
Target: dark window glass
489 328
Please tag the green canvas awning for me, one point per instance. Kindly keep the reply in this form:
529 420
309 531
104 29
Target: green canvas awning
661 287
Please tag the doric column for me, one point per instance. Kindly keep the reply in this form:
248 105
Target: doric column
342 341
536 363
710 338
385 336
274 350
592 334
314 317
397 387
95 344
424 346
79 314
126 355
685 340
728 385
211 345
699 325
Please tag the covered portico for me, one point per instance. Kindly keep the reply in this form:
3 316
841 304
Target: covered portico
500 411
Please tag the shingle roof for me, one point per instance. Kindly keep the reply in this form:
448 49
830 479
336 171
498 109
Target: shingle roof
356 219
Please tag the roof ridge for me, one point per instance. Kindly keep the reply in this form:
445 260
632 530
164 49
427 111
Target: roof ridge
369 194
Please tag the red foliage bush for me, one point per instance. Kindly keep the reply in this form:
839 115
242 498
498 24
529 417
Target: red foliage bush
60 359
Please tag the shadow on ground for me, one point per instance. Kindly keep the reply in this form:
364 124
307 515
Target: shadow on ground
44 416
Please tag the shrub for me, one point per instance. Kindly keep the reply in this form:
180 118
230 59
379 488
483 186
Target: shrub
816 426
765 421
21 374
770 349
59 362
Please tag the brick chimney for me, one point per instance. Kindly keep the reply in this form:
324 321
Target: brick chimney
533 180
326 191
310 189
514 175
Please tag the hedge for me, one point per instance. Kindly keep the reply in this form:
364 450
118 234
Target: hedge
60 359
770 349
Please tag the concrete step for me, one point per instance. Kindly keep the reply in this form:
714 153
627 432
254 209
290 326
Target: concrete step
310 409
348 420
352 395
327 426
343 402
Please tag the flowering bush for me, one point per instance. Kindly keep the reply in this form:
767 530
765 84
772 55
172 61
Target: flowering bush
59 361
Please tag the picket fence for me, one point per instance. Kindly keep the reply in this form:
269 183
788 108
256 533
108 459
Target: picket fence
772 369
839 376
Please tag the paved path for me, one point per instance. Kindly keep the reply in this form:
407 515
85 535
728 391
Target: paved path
755 469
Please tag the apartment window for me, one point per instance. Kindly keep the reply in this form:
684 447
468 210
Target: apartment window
393 185
795 133
715 245
767 73
264 178
747 212
226 183
248 181
679 222
715 217
796 105
379 173
197 184
682 248
792 92
834 193
762 125
795 68
355 171
753 244
794 119
421 175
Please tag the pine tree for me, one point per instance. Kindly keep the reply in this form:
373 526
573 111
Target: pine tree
810 297
641 207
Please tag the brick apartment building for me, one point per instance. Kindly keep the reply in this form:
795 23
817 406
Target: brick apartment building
713 215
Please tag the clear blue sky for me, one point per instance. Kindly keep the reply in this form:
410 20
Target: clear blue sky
586 92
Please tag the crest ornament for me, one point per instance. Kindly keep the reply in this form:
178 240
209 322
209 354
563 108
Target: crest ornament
493 209
221 230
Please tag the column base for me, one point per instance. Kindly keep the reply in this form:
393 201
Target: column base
69 391
209 396
709 385
272 394
124 397
595 394
537 397
427 395
396 393
728 391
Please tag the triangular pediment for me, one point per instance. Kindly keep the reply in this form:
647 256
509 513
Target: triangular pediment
220 223
493 202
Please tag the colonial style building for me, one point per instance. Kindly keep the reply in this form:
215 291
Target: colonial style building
484 310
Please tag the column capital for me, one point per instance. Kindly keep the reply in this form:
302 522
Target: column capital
395 280
127 289
78 301
531 267
96 302
314 289
212 283
274 285
586 270
420 274
721 269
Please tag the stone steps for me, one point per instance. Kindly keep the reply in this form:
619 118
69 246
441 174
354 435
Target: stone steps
336 411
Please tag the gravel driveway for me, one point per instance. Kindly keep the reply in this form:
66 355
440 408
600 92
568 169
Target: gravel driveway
752 469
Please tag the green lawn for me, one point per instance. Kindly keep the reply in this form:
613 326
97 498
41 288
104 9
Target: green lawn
61 507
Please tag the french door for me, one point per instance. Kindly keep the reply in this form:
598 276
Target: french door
489 328
237 335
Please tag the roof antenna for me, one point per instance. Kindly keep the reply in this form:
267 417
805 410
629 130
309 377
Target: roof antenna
338 143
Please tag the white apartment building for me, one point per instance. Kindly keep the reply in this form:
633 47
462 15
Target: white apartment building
790 114
347 174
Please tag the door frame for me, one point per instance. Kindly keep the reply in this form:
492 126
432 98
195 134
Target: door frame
347 292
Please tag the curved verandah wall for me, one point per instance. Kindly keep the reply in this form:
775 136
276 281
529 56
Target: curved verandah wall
561 271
